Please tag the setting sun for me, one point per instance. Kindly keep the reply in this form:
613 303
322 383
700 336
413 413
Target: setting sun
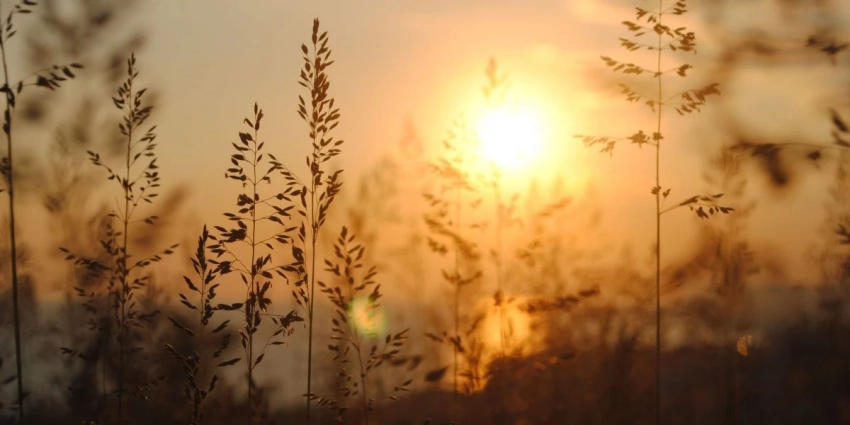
510 138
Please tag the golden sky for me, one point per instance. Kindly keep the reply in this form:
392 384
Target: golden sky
423 61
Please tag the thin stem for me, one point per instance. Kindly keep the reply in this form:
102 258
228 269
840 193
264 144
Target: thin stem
358 343
313 225
250 306
363 393
457 302
499 212
12 240
658 235
202 334
314 230
103 362
125 221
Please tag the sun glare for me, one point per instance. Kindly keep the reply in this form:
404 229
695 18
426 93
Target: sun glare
366 320
511 139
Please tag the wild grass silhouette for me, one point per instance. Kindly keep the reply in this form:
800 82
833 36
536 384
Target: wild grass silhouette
357 320
531 326
194 366
49 78
253 167
685 102
316 196
124 272
455 196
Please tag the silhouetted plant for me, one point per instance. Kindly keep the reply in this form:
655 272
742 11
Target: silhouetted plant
139 182
355 296
194 363
674 40
60 129
49 78
254 268
452 223
316 196
495 93
455 196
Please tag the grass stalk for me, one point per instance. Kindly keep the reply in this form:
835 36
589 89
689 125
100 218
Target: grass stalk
495 91
193 363
685 102
139 180
500 292
455 348
49 79
356 298
10 181
448 230
317 196
658 226
125 221
251 166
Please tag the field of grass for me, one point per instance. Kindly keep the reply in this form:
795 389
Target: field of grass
444 283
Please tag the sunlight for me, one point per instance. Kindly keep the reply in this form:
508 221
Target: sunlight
483 345
511 139
517 328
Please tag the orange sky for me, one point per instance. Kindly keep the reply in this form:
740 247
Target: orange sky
424 61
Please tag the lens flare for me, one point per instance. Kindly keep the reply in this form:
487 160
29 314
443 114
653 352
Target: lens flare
366 318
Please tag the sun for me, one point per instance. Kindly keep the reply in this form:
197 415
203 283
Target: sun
511 138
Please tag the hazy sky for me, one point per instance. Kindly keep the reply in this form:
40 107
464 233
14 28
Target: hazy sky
424 61
395 60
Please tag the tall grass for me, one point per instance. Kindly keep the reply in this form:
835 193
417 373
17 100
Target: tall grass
456 196
667 39
323 186
495 92
246 247
49 78
357 327
125 274
194 363
292 215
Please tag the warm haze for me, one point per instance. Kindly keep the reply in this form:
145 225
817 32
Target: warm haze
441 211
